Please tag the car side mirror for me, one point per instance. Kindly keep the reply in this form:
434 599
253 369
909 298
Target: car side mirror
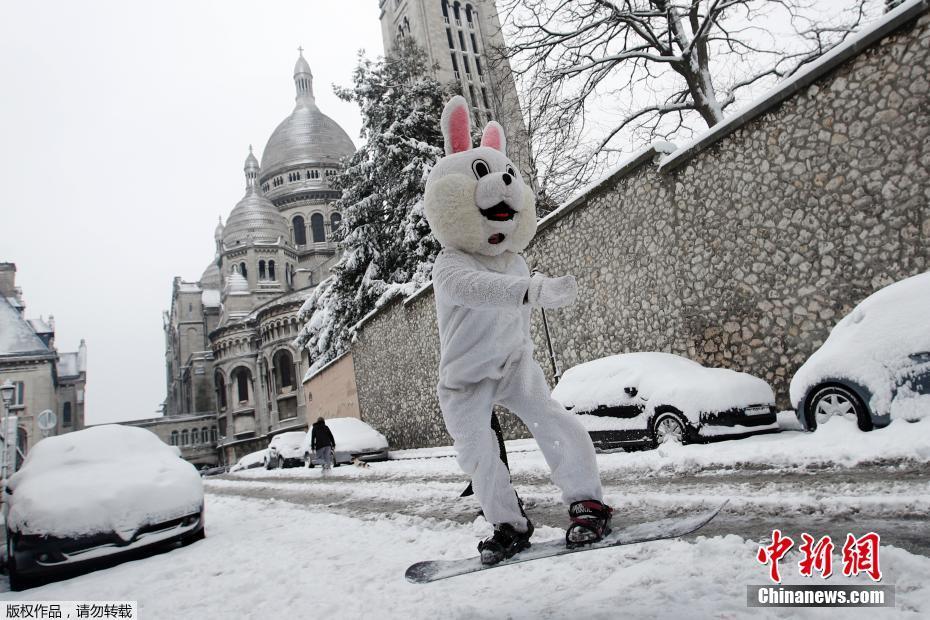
631 391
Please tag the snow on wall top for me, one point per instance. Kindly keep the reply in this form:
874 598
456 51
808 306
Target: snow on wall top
16 335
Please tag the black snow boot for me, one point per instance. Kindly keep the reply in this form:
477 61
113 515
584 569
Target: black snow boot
590 523
505 543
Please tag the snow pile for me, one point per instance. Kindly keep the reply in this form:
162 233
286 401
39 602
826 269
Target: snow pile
872 344
908 405
250 460
661 379
101 479
837 443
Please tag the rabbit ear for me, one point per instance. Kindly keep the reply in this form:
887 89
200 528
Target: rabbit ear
493 137
456 125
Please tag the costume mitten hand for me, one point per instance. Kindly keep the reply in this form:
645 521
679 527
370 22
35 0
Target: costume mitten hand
551 292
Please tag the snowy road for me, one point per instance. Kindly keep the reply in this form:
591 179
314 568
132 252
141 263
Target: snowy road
291 544
892 500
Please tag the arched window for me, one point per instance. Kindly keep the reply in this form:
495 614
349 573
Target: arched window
300 231
243 270
174 438
283 370
241 377
458 17
204 435
445 10
66 414
317 226
468 12
261 270
213 434
220 384
195 437
271 273
185 438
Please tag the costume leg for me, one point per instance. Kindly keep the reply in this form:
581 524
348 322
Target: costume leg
564 442
467 414
496 427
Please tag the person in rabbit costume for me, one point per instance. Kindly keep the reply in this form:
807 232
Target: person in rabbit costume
483 215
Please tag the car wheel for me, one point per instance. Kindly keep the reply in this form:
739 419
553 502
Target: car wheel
280 462
826 401
17 581
308 461
667 427
267 463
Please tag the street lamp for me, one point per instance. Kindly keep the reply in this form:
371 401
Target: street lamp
6 391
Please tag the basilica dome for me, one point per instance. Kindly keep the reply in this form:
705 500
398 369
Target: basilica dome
307 136
254 218
211 277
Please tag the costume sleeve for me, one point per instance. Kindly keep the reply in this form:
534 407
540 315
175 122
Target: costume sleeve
457 281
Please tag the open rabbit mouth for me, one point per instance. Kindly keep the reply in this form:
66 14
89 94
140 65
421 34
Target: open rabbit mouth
500 212
496 238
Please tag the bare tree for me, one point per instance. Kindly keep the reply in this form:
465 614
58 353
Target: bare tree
595 70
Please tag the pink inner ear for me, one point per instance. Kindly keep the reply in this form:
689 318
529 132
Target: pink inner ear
491 137
459 136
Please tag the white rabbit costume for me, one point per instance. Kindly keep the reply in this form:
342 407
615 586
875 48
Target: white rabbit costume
483 214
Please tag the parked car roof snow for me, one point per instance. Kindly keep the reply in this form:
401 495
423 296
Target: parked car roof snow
101 479
663 378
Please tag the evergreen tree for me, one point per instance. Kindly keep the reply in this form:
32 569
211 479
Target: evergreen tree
387 246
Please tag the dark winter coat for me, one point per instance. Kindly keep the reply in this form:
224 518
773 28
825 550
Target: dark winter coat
321 436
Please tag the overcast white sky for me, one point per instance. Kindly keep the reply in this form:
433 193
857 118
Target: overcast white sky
124 128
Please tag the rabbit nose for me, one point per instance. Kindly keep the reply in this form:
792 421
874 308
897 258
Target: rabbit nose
507 179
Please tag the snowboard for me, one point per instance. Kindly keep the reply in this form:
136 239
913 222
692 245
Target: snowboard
426 572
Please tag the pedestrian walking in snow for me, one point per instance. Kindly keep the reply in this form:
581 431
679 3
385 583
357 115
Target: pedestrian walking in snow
323 443
483 214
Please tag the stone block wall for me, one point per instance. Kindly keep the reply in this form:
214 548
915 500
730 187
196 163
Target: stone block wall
744 257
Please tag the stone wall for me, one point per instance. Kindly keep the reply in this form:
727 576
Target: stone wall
742 255
331 392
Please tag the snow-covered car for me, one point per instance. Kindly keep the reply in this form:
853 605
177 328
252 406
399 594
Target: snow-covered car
875 365
286 450
94 494
250 461
354 439
643 399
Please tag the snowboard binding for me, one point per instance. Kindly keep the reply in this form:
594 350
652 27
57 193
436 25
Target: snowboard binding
590 523
505 543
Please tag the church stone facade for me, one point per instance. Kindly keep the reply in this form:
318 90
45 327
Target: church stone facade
463 39
228 335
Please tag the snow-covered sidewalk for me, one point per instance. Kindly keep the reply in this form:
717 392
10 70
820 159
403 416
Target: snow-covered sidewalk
276 560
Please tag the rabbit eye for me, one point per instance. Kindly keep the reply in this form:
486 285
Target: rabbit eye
480 168
511 171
